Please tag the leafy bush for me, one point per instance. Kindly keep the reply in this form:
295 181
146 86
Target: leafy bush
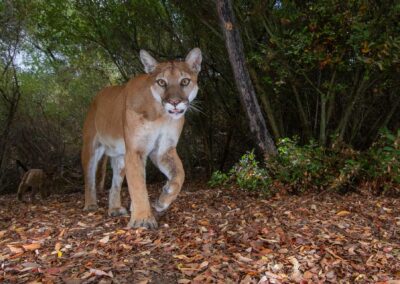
383 161
247 174
312 167
218 178
299 167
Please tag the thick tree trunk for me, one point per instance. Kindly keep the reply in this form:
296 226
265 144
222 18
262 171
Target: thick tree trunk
247 94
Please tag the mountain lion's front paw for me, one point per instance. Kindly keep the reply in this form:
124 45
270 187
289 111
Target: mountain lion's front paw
113 212
149 223
91 207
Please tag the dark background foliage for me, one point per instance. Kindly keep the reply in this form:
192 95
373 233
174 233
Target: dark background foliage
322 70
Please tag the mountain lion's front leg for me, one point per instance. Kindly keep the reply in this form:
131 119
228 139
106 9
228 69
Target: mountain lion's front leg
170 164
141 215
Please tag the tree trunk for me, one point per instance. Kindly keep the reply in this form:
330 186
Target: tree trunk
247 94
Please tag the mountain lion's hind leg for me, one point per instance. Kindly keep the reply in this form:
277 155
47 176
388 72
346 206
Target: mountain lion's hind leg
114 207
35 189
21 191
92 156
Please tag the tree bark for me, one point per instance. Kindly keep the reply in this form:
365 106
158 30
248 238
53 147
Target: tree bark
247 94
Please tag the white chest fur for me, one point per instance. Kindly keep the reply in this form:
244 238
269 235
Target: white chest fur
153 137
157 137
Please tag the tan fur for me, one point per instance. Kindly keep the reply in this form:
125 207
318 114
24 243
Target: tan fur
141 119
35 179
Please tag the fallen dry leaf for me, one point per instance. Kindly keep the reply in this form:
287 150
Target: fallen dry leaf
227 236
105 239
99 272
32 246
15 249
343 213
81 224
296 274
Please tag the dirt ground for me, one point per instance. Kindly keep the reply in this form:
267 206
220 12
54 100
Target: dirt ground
207 236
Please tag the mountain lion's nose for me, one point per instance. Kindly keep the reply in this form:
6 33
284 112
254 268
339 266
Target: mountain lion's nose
174 101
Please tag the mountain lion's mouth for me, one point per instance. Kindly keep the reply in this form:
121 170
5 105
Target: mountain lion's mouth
176 111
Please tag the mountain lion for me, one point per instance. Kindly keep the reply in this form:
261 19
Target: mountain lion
34 179
143 118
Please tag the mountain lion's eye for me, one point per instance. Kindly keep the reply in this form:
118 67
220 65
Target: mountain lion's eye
161 83
185 81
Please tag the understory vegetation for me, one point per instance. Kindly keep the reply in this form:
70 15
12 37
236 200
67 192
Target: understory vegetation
323 71
300 168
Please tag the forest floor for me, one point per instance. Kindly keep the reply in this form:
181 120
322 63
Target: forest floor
207 236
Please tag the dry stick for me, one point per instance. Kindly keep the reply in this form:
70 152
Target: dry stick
247 94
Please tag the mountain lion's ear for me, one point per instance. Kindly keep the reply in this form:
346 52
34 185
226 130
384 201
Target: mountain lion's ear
148 61
193 59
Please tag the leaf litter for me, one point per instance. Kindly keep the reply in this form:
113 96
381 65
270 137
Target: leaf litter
207 236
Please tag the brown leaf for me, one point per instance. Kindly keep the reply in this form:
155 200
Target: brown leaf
54 270
204 222
343 213
308 275
242 258
4 257
61 234
332 253
203 265
81 224
181 257
125 246
228 26
296 274
105 239
79 254
57 247
99 272
15 249
2 233
33 246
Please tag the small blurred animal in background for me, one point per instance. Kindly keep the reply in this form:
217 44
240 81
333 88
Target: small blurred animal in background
34 179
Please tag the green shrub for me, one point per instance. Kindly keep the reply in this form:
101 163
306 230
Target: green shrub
299 167
218 178
249 175
312 167
383 161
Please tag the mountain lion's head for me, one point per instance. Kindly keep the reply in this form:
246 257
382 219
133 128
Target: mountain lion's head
174 82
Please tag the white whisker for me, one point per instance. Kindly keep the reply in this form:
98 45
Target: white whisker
194 106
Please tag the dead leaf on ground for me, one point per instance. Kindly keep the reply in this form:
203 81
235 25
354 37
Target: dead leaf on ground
343 213
32 246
